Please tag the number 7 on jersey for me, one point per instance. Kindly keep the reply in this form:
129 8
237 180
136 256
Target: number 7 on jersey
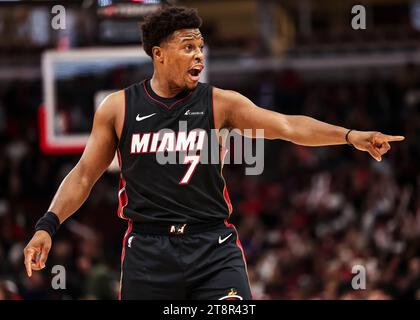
194 160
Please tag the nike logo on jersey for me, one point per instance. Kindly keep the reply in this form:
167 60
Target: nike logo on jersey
138 118
224 239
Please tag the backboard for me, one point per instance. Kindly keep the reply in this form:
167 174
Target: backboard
75 82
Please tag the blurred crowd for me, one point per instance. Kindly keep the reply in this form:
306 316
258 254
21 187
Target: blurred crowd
307 224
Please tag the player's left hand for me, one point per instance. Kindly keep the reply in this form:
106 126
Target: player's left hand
376 143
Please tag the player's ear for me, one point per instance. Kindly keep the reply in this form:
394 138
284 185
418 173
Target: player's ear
157 53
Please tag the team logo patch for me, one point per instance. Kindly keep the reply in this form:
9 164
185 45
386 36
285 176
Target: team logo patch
232 295
177 229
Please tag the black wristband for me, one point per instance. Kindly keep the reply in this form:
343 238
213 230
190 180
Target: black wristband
49 223
347 137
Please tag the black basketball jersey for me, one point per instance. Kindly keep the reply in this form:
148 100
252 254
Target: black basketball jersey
190 187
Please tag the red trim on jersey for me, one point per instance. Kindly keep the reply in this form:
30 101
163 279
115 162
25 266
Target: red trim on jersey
222 153
122 202
127 232
160 102
122 197
212 107
238 243
227 199
122 193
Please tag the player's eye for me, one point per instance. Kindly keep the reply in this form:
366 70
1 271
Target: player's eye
189 47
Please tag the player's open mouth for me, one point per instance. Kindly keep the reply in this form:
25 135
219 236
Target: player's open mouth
195 71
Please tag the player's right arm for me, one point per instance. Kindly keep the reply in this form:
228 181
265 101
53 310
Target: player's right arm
76 186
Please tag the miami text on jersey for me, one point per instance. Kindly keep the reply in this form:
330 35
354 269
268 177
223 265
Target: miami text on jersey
171 141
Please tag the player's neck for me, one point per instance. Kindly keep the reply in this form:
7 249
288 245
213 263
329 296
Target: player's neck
162 88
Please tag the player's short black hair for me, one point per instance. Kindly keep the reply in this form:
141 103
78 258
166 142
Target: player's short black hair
157 27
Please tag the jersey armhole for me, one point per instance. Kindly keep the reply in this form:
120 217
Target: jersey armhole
213 117
124 127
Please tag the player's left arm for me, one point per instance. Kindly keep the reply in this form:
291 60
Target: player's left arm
233 110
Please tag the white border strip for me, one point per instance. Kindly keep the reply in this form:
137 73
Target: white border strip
53 56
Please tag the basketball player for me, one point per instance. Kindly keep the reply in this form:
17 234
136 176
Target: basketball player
179 243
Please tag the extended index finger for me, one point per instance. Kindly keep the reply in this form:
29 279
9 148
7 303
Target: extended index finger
28 261
394 138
